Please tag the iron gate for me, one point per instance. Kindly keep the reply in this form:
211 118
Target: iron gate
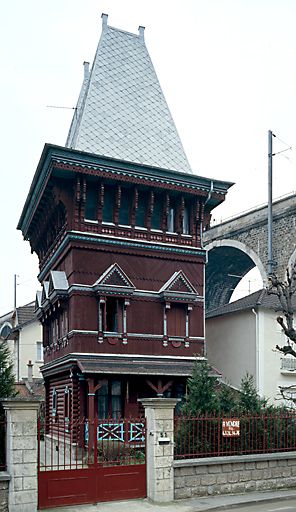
87 462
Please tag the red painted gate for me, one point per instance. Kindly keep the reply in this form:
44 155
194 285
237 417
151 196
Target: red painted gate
88 462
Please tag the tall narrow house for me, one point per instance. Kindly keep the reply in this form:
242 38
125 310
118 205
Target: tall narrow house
116 218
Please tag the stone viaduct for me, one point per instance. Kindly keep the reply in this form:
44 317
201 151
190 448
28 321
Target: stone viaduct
239 244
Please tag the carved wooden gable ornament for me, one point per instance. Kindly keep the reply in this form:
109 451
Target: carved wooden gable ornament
114 281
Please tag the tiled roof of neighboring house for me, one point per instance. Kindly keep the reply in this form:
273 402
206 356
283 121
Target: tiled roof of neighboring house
121 111
259 298
30 389
19 317
25 314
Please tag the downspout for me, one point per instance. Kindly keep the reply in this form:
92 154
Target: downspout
257 349
204 273
204 315
206 201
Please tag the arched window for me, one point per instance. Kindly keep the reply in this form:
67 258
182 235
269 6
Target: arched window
5 330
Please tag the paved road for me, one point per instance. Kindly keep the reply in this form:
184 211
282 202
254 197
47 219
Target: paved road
279 506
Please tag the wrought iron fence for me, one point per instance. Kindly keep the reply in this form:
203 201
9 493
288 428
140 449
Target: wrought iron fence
214 436
2 444
65 444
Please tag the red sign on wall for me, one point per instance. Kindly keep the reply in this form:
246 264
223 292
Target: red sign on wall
230 427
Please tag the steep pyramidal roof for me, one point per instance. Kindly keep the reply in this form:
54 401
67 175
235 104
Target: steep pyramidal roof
121 111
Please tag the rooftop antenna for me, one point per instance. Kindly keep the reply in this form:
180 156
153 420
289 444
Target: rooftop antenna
56 106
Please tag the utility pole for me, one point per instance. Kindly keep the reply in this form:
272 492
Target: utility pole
269 222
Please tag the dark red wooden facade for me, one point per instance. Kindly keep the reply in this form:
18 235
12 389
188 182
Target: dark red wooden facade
122 274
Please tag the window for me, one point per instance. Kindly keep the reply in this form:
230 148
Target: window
142 209
171 220
113 315
53 330
171 217
39 351
91 204
185 223
157 212
5 330
125 206
109 203
54 402
177 320
67 403
110 398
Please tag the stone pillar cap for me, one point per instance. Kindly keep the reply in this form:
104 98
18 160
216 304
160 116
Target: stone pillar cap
23 403
164 403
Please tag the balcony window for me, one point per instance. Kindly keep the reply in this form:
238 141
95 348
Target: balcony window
125 207
109 203
185 221
91 203
142 209
157 212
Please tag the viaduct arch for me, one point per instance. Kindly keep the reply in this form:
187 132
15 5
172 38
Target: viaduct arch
239 244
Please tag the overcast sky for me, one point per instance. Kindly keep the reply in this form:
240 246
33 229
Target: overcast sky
227 69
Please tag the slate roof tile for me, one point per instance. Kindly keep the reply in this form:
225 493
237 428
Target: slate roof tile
121 111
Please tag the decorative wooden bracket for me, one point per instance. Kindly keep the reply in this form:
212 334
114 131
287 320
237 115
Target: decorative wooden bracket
159 388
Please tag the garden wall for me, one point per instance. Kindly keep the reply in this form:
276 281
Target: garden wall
234 474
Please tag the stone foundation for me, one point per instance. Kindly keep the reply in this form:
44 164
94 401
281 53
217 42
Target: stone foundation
234 475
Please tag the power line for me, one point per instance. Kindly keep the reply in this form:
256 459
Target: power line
282 141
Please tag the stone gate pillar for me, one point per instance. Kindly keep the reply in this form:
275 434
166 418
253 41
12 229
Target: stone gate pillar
159 414
21 453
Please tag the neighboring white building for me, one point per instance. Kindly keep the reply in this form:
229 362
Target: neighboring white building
23 334
242 336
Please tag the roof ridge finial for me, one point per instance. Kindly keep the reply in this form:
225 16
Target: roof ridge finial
141 32
104 20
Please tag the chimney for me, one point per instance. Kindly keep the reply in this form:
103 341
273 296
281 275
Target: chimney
104 20
86 70
30 371
141 32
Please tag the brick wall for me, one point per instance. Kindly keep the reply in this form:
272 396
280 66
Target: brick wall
234 475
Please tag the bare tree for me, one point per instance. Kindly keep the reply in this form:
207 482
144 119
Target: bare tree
285 290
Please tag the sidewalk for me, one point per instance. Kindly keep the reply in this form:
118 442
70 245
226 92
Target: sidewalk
225 503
